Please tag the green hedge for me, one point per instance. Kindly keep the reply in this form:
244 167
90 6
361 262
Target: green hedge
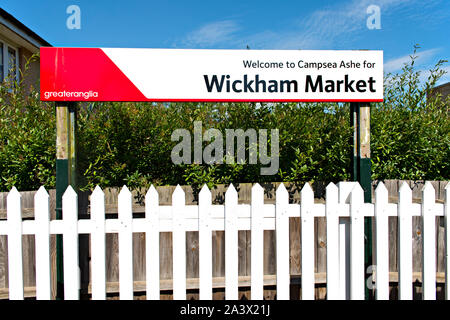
130 143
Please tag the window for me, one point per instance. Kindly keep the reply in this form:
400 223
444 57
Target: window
1 62
9 62
12 63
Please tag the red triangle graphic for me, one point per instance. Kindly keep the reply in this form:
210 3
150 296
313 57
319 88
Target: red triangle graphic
84 70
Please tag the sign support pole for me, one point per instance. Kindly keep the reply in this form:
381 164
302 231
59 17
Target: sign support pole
361 170
65 174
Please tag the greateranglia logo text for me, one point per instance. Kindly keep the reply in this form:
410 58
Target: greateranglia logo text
71 94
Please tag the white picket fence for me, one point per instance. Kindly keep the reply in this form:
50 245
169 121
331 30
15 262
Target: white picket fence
344 211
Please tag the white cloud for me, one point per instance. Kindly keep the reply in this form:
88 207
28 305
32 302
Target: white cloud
212 34
336 25
325 27
426 61
398 63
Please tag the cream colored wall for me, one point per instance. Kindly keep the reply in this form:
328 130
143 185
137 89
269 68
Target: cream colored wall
30 75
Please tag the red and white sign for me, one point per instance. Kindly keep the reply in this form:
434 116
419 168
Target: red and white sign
118 74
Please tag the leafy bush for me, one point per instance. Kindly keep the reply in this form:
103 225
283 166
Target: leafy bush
27 137
411 128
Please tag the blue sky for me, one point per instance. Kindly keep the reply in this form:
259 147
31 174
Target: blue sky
259 24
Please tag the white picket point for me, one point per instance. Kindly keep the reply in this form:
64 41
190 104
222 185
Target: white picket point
205 244
257 241
70 245
152 244
125 206
447 241
282 243
42 244
178 244
332 215
231 244
307 242
357 283
405 242
429 242
382 243
98 245
15 267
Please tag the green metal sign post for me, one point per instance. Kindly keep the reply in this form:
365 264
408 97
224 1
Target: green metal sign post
361 170
65 174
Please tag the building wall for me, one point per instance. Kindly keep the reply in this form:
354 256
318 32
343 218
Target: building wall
443 89
30 74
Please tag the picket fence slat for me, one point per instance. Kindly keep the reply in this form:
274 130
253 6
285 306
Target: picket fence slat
357 285
15 266
257 241
231 244
178 245
98 245
282 243
152 244
344 190
382 243
125 216
42 244
70 245
405 242
307 242
332 221
205 244
447 241
429 242
345 263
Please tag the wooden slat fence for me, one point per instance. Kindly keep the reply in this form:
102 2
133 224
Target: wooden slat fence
150 243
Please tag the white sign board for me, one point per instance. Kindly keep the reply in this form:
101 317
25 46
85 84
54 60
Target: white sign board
116 74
